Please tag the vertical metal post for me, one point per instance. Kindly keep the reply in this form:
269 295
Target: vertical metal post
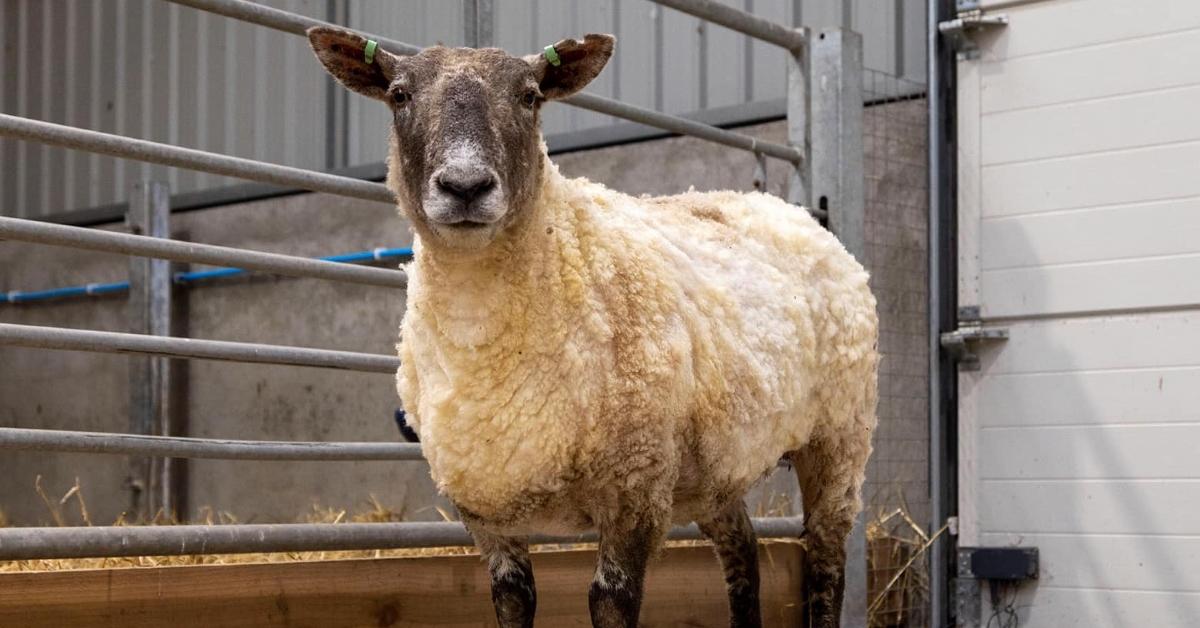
337 102
477 19
837 133
798 122
836 127
943 306
149 313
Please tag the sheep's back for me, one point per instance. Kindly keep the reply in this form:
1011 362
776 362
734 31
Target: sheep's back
776 308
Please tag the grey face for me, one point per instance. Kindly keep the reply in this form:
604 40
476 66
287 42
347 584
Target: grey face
466 160
467 149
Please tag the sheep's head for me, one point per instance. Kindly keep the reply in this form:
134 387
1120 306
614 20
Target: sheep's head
466 159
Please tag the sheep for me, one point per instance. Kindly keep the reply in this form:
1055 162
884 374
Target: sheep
576 358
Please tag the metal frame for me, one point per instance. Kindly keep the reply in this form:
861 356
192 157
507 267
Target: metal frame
298 24
201 448
372 256
190 158
37 337
812 106
942 306
149 313
177 251
111 541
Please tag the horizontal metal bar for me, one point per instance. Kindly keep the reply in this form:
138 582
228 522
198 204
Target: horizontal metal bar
204 198
114 342
200 448
188 278
116 541
298 24
740 21
91 289
153 152
129 244
284 21
342 258
684 126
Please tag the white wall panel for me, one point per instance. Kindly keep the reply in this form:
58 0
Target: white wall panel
1121 122
1135 175
1079 433
1123 232
1093 452
1045 27
1100 71
1122 285
1087 398
1133 563
1149 507
1097 343
1059 607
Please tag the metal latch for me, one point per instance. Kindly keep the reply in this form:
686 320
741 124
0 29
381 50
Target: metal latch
976 565
961 29
961 343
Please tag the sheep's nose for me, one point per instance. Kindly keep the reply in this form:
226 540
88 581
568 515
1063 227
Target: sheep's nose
466 187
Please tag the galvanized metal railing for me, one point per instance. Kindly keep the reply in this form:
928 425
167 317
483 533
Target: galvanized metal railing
27 543
113 541
298 24
63 338
128 244
200 448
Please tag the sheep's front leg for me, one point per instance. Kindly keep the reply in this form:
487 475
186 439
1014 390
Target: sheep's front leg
733 539
513 592
615 597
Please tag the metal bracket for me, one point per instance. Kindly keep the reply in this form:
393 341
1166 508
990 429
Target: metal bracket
961 29
960 343
975 565
760 173
967 602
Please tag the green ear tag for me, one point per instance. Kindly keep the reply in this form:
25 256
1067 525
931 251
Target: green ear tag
552 56
369 51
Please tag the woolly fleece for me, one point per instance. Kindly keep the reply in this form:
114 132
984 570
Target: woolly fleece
624 353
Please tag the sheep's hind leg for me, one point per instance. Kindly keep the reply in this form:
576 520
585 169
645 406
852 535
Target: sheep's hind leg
615 597
831 476
733 539
513 592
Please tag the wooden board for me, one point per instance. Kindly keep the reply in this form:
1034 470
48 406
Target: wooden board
684 588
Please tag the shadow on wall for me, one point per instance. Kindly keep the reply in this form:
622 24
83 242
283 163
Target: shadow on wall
1079 448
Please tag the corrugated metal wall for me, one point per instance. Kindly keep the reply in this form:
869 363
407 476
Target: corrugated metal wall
155 70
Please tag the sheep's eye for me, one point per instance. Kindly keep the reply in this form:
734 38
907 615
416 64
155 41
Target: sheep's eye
401 97
530 98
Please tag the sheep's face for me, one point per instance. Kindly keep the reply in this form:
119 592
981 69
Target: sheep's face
466 159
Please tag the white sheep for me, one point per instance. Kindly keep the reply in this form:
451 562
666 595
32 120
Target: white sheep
574 358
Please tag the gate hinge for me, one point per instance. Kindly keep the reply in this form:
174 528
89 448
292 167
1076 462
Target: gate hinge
969 22
961 343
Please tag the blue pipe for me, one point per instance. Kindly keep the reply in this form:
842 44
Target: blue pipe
92 289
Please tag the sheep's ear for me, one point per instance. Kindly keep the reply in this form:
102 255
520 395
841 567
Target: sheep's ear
344 55
577 64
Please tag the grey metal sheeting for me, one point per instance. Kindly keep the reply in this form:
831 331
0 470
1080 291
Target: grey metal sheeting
298 24
740 21
115 342
113 541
